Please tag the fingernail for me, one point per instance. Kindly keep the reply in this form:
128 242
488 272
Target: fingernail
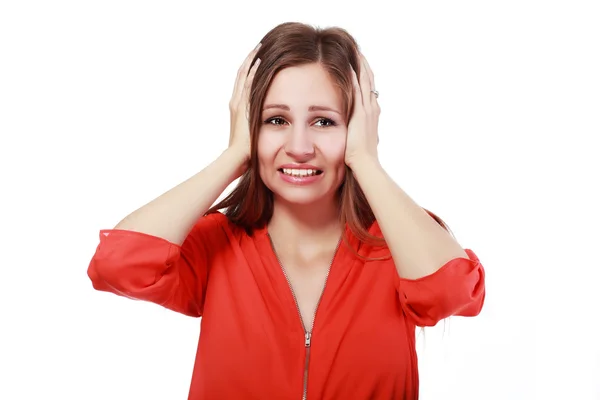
258 46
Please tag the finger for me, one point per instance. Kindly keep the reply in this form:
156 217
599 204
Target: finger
374 101
243 73
358 100
249 80
365 84
244 69
369 72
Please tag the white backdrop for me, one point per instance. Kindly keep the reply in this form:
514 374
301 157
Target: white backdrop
489 113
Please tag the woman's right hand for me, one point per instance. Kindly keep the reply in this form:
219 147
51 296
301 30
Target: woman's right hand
239 136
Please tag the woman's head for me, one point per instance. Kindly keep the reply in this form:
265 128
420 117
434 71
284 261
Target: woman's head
301 101
299 109
300 145
300 105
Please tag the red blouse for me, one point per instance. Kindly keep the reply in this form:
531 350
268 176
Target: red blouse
253 344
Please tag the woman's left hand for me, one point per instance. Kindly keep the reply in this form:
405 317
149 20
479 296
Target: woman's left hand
362 136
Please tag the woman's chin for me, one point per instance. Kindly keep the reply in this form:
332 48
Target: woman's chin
304 196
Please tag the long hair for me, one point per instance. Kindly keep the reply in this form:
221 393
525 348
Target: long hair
250 204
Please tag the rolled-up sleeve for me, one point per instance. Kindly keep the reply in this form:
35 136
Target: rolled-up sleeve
145 267
457 288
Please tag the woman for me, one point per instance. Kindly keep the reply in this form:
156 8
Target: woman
312 281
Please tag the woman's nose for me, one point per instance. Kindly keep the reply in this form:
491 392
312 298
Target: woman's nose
300 144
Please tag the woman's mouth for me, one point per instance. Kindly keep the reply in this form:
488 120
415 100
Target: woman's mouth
300 176
300 173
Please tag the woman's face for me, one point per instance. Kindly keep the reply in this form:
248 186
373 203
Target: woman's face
302 139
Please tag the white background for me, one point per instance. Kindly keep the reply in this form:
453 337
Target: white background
490 111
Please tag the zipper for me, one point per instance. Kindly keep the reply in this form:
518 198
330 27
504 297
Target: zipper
307 332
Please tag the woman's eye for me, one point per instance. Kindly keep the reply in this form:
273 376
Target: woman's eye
324 122
275 121
321 122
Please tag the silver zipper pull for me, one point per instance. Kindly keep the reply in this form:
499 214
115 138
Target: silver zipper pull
307 339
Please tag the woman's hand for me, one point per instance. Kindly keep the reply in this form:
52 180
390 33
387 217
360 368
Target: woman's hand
362 136
239 136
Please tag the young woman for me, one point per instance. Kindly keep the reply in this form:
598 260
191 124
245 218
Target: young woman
312 281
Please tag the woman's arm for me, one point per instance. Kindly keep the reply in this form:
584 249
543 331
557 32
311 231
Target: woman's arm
162 252
172 215
437 277
418 244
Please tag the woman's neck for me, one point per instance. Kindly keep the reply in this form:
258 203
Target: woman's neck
294 223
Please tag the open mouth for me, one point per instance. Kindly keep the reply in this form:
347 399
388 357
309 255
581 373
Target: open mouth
300 173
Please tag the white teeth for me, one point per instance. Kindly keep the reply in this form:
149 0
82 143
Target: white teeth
299 172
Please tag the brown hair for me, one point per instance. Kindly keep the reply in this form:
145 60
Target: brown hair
250 204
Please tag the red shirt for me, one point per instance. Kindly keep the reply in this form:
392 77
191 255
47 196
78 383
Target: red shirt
252 343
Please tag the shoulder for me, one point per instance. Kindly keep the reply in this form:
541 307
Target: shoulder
209 222
375 230
210 227
214 233
368 243
218 224
216 218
